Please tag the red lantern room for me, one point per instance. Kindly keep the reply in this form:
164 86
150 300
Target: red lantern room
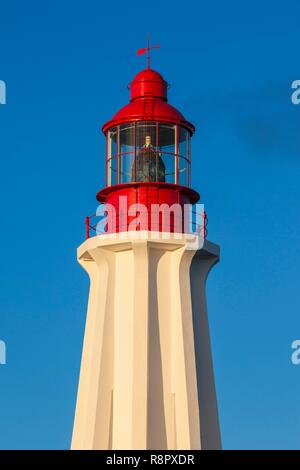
148 153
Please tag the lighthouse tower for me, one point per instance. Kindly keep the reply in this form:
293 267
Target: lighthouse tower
146 378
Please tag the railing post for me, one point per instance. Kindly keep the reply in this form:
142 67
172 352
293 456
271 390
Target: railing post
87 227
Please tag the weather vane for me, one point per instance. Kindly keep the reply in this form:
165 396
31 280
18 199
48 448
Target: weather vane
147 50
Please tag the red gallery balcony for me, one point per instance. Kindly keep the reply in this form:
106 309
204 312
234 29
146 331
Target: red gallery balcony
98 224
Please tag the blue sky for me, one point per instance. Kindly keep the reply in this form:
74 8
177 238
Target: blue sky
230 65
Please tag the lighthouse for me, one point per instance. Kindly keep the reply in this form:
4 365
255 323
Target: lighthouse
146 377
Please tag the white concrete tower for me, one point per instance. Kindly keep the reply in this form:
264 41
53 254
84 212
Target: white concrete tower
146 378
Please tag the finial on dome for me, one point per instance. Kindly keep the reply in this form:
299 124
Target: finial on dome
147 50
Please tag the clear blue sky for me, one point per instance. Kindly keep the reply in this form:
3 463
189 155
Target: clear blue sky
230 64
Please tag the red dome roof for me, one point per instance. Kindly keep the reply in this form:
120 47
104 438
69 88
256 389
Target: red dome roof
148 74
148 102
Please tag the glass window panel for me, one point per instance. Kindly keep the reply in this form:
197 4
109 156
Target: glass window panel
112 171
126 132
183 142
183 172
126 153
126 168
170 168
166 145
166 138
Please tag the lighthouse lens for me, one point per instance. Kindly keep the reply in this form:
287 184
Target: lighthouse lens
148 166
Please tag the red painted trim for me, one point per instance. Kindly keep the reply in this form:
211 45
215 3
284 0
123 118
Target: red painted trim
193 195
161 119
87 227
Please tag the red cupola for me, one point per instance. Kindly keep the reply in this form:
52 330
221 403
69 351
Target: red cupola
148 153
148 83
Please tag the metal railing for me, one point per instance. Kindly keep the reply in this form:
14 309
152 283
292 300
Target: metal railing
97 225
